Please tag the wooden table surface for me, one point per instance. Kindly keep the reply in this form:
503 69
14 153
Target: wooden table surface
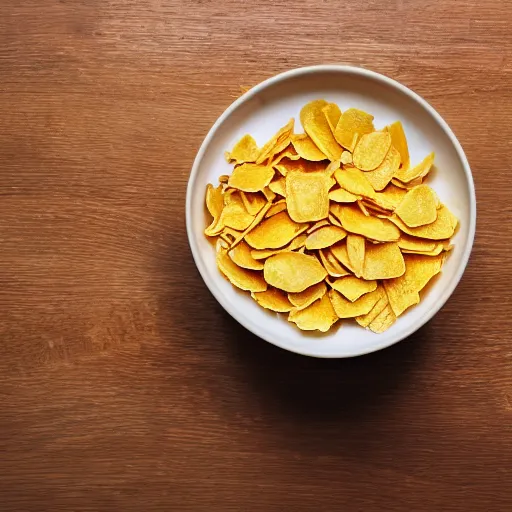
123 384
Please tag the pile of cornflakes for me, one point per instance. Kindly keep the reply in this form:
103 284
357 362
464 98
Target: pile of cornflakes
330 224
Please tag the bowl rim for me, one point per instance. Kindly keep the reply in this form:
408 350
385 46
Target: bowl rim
366 73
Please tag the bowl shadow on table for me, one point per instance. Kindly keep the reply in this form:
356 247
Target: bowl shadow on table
312 390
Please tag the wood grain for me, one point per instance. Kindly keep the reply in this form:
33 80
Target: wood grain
123 384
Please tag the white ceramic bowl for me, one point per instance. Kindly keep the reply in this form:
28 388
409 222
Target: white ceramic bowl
261 112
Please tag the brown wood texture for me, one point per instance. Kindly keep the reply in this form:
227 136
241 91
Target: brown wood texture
123 384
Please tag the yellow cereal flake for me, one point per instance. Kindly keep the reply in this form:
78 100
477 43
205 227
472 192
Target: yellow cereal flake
371 150
245 150
275 232
340 195
353 124
399 141
383 261
215 205
241 255
333 220
332 113
345 308
254 223
287 154
418 207
407 186
403 291
253 201
414 173
273 299
325 237
380 177
354 181
346 157
352 287
333 166
356 253
315 124
438 249
306 148
331 264
307 195
234 215
411 243
443 227
319 316
318 225
362 207
293 272
373 209
339 251
354 221
392 195
381 302
242 278
251 177
277 143
381 317
269 194
278 207
278 186
303 299
383 321
296 243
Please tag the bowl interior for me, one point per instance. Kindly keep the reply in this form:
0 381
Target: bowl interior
266 108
